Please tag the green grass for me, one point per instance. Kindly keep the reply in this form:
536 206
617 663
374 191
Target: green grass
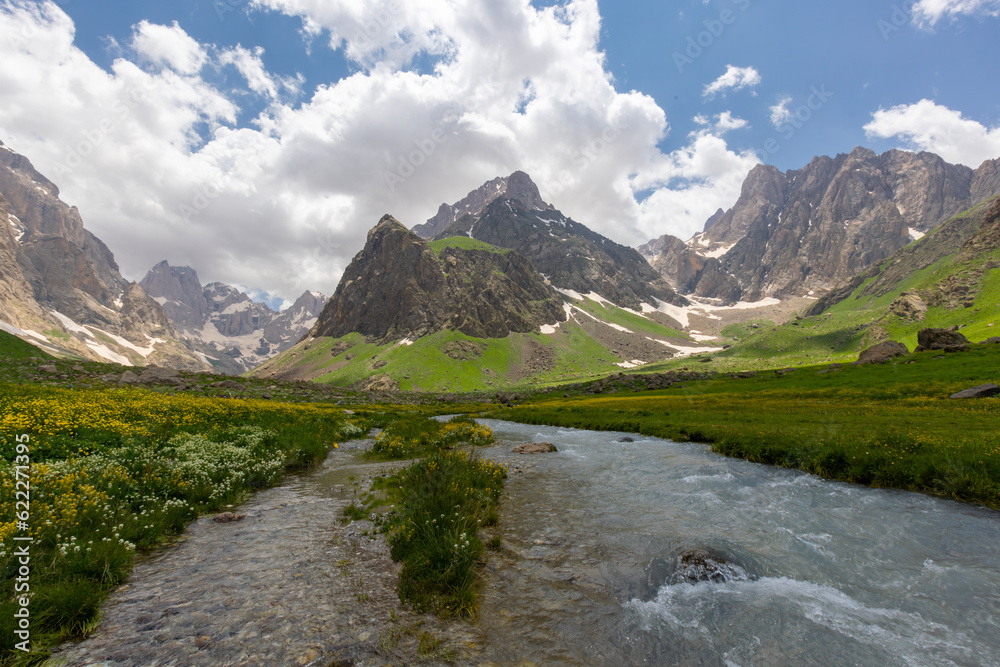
119 470
889 425
12 347
414 436
465 243
439 505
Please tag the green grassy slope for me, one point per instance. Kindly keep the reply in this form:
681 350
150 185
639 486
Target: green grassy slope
465 243
12 347
452 361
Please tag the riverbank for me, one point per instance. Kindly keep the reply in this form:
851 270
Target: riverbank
292 583
885 425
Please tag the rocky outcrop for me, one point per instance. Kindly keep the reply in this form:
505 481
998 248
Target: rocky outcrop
397 287
909 306
223 323
77 294
568 253
811 229
180 293
881 353
17 302
942 339
517 186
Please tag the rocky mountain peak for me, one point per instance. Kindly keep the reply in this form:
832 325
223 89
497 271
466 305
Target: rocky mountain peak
808 229
398 287
224 323
518 186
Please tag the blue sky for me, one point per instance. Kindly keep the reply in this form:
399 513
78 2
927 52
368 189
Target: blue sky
267 136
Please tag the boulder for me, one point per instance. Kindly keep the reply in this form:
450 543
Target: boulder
229 384
706 565
128 377
982 391
883 352
535 448
942 339
48 368
160 375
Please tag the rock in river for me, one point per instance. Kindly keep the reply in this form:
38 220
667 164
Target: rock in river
535 448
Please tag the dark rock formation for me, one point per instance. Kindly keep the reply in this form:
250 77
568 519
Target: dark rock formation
883 352
942 339
569 254
397 287
517 186
982 391
535 448
814 228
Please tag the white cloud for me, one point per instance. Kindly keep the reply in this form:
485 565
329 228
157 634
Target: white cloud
725 122
780 113
168 46
928 126
249 63
735 78
152 154
929 12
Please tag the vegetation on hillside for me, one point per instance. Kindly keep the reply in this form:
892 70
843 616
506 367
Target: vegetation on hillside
114 471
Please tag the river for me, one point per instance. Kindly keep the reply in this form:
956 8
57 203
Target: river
795 571
818 573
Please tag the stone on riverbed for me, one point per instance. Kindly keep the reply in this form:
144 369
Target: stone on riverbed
228 517
535 448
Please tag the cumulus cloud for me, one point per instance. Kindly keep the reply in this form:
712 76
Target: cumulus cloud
780 113
929 12
735 78
249 63
928 126
168 46
153 155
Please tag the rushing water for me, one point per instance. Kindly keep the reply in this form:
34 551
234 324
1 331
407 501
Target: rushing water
812 572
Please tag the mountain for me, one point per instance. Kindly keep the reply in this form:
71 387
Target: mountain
807 230
571 256
462 314
950 278
223 324
517 186
398 287
61 287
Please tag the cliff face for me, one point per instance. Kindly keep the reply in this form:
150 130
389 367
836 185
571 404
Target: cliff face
398 287
807 230
76 289
235 333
